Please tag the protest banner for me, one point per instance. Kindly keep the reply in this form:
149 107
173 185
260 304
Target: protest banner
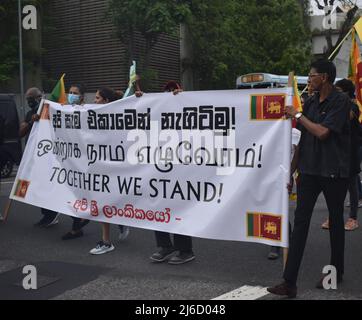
210 164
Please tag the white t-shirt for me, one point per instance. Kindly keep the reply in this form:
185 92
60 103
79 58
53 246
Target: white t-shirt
295 139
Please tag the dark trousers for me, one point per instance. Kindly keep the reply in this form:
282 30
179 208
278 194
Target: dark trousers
181 242
78 223
359 179
353 195
308 190
48 213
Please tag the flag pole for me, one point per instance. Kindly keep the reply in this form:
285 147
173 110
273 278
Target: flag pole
286 250
340 44
7 209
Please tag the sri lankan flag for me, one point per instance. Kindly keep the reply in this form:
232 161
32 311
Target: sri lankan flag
58 93
355 71
263 225
267 107
297 103
21 188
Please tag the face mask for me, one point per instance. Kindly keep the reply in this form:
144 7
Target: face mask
32 103
73 98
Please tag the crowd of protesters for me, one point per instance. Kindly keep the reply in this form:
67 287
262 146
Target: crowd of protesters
327 160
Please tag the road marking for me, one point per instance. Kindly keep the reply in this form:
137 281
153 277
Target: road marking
7 182
244 293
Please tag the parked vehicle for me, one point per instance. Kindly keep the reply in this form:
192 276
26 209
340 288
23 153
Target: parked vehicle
10 149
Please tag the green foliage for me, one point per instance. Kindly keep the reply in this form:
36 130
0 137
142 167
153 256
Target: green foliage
8 59
9 53
148 18
233 37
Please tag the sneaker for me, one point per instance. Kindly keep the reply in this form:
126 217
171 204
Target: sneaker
162 255
43 222
102 247
182 257
283 289
274 253
351 224
70 235
325 224
123 232
1 217
52 222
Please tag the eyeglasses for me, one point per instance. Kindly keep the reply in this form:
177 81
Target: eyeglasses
312 75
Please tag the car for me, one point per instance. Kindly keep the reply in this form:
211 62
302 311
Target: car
11 149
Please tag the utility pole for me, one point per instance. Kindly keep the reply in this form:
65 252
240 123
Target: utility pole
21 66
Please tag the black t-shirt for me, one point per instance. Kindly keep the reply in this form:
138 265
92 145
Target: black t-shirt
329 157
29 115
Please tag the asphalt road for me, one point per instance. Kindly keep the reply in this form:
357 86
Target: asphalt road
66 270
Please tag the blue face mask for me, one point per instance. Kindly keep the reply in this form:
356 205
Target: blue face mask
73 98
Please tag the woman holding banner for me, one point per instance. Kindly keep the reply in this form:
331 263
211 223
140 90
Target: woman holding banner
103 96
76 96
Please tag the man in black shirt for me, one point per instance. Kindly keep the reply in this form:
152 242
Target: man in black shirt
323 164
33 97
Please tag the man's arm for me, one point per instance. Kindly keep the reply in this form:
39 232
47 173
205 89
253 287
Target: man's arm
24 129
25 126
315 129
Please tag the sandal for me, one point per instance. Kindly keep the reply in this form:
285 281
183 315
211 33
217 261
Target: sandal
351 224
325 224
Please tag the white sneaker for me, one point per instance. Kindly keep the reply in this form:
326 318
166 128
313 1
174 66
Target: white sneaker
102 248
1 217
123 232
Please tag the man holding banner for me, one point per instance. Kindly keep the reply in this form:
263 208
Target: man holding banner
33 98
323 163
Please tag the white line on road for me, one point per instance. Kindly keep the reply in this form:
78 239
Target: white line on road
244 293
7 182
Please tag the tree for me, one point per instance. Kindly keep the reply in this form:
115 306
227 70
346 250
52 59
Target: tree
233 37
148 19
9 53
8 40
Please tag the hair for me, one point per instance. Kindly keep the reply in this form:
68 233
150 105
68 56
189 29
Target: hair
171 86
34 92
81 88
109 94
327 67
347 86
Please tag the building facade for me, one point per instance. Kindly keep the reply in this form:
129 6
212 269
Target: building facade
81 42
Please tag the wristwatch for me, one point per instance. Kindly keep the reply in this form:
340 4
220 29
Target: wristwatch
298 115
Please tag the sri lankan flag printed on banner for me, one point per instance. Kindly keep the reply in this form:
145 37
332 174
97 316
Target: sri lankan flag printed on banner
267 107
263 225
21 188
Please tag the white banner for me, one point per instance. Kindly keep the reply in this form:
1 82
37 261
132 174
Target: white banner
210 164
